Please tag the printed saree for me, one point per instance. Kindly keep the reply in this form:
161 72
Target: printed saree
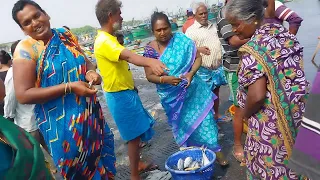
275 54
73 127
189 110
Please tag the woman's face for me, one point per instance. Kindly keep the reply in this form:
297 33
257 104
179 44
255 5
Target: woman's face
242 29
35 23
162 30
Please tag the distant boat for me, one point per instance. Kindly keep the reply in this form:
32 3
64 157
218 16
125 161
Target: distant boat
174 26
127 37
141 31
213 12
181 21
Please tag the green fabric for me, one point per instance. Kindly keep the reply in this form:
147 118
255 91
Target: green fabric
29 162
233 85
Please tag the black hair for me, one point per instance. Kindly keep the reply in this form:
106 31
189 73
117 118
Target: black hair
265 3
189 14
19 5
13 46
119 35
5 57
157 16
104 8
66 27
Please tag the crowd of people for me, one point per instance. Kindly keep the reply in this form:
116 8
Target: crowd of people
50 102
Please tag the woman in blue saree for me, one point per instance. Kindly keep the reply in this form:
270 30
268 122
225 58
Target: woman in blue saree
185 98
51 71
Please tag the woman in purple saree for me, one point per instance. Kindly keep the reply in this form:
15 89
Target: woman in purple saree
185 98
272 89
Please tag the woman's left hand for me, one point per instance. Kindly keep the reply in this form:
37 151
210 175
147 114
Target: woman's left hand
93 77
189 77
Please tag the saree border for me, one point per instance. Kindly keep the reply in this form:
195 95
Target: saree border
282 108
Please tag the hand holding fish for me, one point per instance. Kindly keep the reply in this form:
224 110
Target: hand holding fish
93 77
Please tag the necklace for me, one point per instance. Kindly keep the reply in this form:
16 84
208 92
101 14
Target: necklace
2 140
159 47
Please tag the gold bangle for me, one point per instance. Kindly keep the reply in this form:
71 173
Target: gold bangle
65 89
70 90
161 80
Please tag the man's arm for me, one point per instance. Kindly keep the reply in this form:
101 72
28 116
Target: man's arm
286 14
270 10
225 30
156 66
10 101
236 42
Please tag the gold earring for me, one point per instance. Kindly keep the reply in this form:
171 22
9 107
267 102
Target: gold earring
255 22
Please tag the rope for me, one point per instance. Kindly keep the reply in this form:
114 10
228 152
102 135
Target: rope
314 56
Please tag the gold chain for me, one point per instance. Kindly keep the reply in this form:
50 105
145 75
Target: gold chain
3 140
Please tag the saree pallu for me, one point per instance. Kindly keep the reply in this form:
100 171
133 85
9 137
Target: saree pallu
189 110
73 127
214 78
22 157
306 152
275 54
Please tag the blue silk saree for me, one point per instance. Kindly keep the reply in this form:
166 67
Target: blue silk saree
189 110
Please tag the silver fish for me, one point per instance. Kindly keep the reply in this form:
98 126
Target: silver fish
187 162
205 160
180 164
194 166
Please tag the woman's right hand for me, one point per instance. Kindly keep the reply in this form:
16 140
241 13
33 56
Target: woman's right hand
174 81
81 88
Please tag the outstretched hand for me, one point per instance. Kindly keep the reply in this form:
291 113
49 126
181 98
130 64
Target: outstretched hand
93 77
157 67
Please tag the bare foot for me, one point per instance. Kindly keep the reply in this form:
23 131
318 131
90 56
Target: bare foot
221 159
145 167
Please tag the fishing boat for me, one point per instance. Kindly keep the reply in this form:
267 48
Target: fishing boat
138 49
141 31
173 23
213 12
180 21
127 37
174 26
211 16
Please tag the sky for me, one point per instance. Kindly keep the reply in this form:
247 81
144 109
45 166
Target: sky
77 13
